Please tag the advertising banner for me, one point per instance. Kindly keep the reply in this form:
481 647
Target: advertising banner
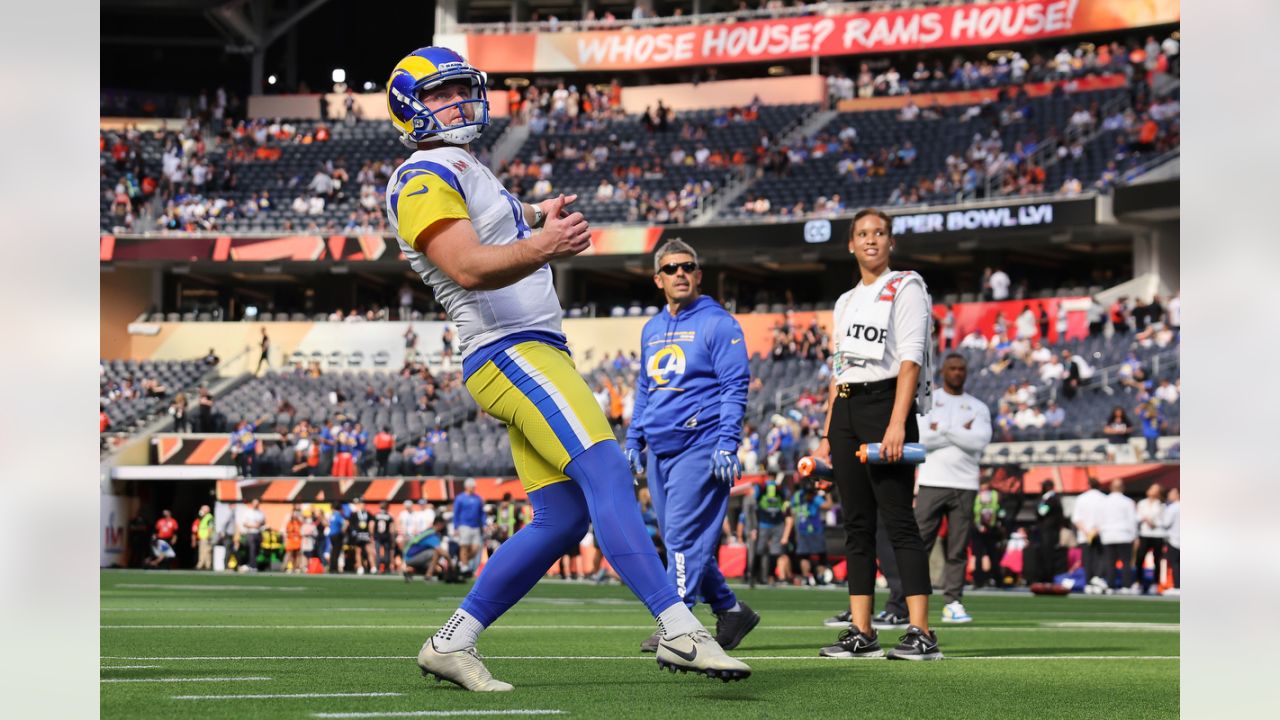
113 537
802 37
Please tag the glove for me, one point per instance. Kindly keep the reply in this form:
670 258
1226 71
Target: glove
635 459
725 466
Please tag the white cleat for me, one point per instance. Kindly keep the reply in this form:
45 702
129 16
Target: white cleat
954 612
698 652
463 668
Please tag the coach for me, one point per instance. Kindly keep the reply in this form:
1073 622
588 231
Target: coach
691 395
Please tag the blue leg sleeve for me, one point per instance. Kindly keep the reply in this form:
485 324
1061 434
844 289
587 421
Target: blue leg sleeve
602 473
559 520
696 504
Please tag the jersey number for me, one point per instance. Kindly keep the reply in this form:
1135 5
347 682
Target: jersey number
517 210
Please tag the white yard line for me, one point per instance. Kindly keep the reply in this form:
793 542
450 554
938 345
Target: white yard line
277 609
166 586
275 696
242 658
243 679
439 714
1051 627
1111 625
131 667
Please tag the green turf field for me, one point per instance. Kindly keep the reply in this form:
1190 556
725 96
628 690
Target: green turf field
187 645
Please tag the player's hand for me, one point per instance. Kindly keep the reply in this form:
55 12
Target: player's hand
563 234
895 437
725 467
635 458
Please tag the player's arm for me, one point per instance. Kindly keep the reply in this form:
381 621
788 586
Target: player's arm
439 224
974 435
787 525
733 374
931 438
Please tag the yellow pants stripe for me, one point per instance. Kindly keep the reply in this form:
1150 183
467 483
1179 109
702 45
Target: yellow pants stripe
550 413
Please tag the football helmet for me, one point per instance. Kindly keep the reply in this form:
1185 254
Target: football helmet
425 69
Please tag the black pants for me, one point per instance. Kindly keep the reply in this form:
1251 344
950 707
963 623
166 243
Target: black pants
1175 563
383 456
1155 546
871 492
1049 557
382 553
896 604
1093 558
986 544
1123 553
252 542
336 548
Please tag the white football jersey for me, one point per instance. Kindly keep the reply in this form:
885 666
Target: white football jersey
448 182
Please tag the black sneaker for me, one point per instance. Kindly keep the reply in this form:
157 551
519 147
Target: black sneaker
839 621
885 620
732 626
853 645
650 643
916 645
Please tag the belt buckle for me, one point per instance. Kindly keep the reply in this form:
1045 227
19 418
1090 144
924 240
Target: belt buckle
845 390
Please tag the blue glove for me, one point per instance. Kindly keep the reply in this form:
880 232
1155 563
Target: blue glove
635 459
725 466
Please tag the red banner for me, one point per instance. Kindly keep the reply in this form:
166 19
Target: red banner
802 37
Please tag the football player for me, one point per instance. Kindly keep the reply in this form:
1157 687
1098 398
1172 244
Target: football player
474 244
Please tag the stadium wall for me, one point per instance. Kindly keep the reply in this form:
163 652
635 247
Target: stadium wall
592 340
124 294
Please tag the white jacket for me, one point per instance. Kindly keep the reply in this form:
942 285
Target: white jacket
1173 523
1117 519
1086 512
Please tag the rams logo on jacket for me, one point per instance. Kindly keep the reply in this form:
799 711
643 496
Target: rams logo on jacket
666 365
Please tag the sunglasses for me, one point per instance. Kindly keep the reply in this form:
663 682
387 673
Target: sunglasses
671 268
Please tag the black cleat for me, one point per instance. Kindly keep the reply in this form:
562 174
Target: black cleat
839 621
650 644
853 645
885 620
916 645
733 626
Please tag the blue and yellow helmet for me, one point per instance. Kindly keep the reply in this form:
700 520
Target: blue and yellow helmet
424 69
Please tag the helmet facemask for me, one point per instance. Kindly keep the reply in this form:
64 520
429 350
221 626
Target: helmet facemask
426 124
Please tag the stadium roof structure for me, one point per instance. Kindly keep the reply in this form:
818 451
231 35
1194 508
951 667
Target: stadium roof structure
239 27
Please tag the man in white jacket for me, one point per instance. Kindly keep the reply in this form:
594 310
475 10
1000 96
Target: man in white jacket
1173 526
1151 532
1084 516
1118 527
955 432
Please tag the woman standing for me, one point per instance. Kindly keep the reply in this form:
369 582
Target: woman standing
1117 429
881 336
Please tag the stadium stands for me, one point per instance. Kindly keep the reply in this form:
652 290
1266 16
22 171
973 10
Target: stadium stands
790 386
875 158
210 178
637 160
133 392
